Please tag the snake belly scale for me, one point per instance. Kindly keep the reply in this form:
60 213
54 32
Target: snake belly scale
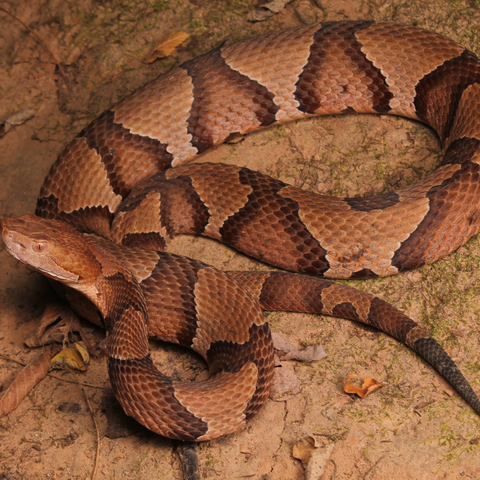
123 186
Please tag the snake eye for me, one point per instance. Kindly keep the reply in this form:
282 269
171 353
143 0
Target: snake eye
39 247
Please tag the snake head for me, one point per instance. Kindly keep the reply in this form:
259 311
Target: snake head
51 247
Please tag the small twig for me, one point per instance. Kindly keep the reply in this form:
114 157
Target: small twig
97 455
41 42
417 408
83 384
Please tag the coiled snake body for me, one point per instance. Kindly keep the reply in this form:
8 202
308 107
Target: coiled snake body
114 180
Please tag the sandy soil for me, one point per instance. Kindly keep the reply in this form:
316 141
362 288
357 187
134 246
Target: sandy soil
100 46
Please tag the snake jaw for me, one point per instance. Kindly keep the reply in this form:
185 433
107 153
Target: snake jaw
47 245
34 253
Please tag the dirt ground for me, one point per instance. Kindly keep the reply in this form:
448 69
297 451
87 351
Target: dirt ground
100 46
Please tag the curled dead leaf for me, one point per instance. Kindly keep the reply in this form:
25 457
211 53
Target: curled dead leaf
247 451
303 449
61 332
28 377
76 357
312 353
267 10
81 347
285 385
318 461
50 332
16 119
369 385
167 46
321 439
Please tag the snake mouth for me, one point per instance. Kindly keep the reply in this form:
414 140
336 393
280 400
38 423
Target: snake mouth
12 245
64 275
20 247
14 254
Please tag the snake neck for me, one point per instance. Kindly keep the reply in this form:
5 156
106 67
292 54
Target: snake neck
120 300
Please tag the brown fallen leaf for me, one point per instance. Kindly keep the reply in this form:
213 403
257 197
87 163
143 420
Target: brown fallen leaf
247 451
285 385
369 385
62 332
309 354
58 333
53 311
321 439
54 334
303 449
167 46
318 461
28 377
267 10
16 119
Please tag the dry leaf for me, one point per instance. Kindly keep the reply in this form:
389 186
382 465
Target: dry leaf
266 10
167 46
303 449
285 385
308 355
80 346
369 385
54 334
25 381
16 119
71 357
62 332
58 333
318 461
52 312
321 439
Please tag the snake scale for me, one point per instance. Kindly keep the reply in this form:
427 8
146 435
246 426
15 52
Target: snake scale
114 180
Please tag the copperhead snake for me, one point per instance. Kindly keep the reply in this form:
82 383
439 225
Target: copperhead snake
114 187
